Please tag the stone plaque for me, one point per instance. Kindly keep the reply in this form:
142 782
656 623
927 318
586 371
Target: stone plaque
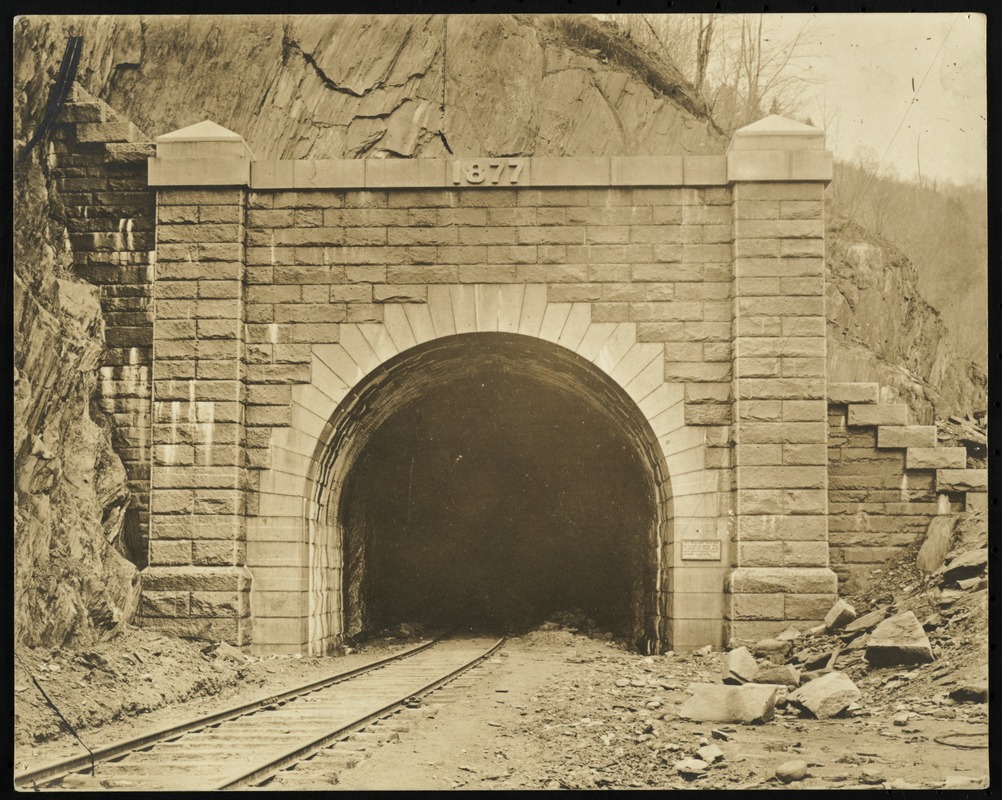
701 550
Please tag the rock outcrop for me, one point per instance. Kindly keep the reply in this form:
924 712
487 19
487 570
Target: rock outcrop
71 580
381 86
881 330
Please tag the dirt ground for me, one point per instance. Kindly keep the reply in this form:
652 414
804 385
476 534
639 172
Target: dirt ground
138 682
546 712
560 707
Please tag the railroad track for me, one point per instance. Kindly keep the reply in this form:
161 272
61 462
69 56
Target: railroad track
248 745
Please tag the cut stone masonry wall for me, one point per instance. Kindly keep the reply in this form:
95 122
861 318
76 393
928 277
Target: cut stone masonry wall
98 165
273 288
887 479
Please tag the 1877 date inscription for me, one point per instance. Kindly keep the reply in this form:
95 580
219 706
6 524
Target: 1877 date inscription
502 172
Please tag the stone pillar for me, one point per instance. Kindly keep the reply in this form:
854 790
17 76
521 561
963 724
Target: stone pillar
196 584
781 574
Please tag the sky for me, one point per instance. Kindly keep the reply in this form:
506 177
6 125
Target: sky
861 69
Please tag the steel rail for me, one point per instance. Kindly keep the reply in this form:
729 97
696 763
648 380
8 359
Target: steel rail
58 769
259 774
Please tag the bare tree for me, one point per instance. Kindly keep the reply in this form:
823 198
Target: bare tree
736 68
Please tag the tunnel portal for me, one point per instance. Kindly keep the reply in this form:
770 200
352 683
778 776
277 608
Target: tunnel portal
491 480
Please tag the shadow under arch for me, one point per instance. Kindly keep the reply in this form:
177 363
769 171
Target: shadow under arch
344 554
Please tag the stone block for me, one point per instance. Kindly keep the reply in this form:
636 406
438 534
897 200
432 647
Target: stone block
898 640
782 675
976 501
962 480
936 458
827 696
851 393
938 538
704 170
642 171
797 580
756 606
880 414
163 604
966 565
199 171
840 615
220 604
170 552
95 132
866 622
906 436
740 667
748 704
807 606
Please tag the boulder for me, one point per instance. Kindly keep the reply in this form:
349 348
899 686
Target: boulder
785 675
789 635
938 536
739 667
827 696
750 703
899 640
868 620
841 614
791 771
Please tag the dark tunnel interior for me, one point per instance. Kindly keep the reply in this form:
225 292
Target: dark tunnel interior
493 498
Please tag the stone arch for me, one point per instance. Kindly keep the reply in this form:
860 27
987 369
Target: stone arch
287 542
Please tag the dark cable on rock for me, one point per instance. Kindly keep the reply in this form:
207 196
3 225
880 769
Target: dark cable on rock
58 712
57 95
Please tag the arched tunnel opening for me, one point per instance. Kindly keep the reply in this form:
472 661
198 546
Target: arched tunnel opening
489 481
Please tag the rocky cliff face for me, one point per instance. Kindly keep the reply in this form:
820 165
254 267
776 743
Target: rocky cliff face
381 87
880 329
71 582
352 87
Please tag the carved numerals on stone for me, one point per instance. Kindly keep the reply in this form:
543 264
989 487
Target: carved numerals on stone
503 172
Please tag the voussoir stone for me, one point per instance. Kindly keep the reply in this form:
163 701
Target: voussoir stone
899 640
828 695
711 702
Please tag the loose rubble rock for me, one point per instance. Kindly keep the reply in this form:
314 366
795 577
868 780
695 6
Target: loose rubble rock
966 565
786 675
899 640
750 703
976 692
791 771
691 767
710 753
740 667
864 623
938 536
827 696
840 615
775 650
